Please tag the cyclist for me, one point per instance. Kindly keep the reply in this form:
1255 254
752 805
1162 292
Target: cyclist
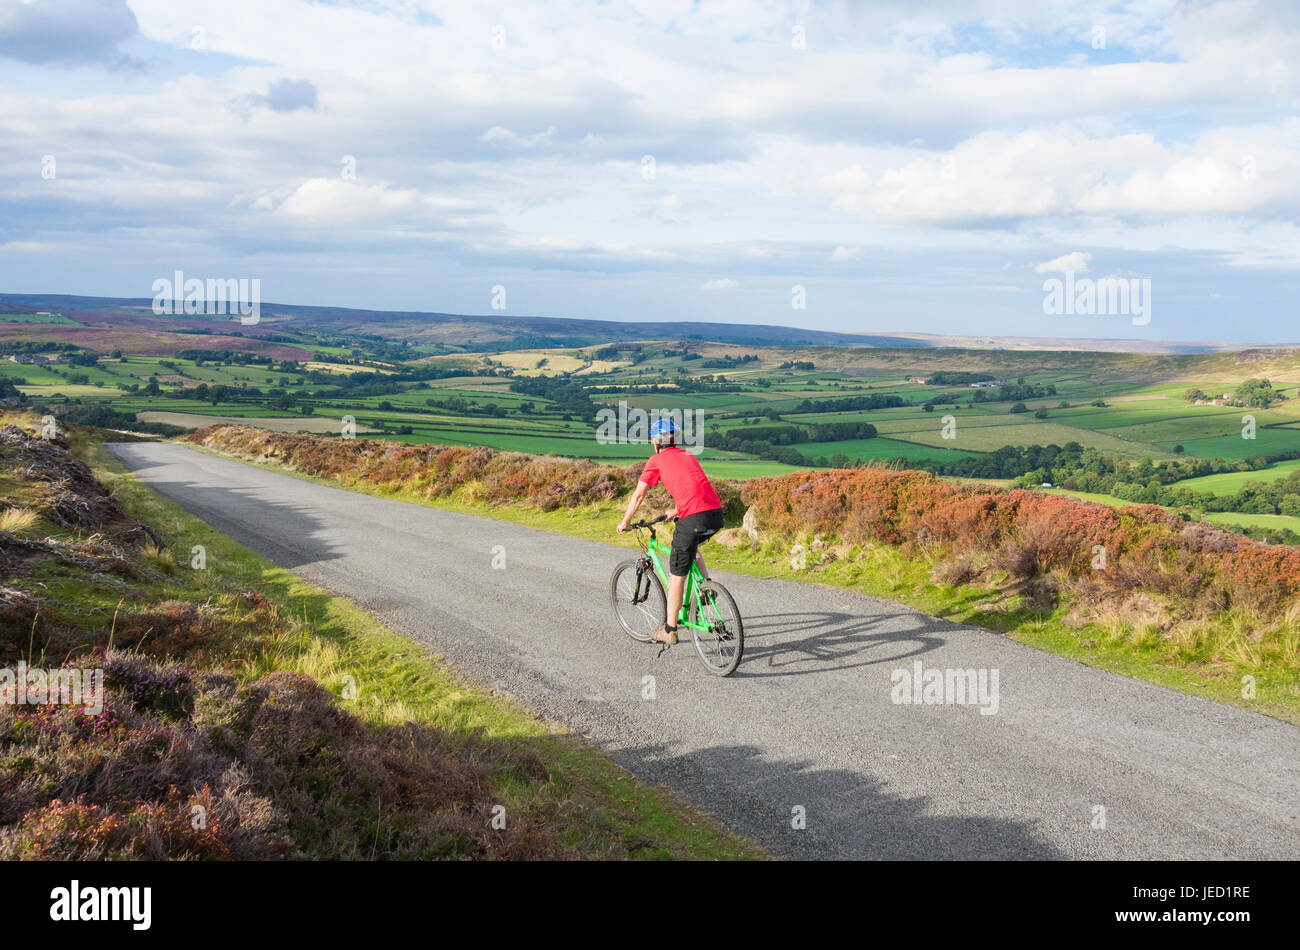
698 513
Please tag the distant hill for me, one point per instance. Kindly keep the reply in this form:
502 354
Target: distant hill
128 314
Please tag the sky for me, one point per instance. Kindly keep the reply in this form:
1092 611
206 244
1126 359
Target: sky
861 167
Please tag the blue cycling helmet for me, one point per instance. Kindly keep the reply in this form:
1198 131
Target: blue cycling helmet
662 432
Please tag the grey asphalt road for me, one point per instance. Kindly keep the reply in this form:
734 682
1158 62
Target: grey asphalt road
809 724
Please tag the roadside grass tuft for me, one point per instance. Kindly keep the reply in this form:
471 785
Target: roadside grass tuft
18 520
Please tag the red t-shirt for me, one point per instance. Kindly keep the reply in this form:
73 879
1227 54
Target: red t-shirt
685 480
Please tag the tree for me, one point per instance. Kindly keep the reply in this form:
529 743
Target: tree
1256 394
1019 407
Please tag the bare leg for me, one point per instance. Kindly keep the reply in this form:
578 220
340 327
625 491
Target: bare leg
676 586
699 560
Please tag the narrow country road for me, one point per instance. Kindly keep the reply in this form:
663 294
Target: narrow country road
807 722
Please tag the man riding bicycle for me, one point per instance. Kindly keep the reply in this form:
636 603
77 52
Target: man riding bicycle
698 513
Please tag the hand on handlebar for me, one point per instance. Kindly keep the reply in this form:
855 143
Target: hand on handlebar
641 524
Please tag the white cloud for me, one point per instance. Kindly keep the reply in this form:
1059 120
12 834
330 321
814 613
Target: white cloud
1076 261
927 143
998 177
334 202
725 283
498 135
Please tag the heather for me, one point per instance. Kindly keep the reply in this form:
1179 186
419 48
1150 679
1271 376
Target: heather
247 716
1025 533
1110 552
474 474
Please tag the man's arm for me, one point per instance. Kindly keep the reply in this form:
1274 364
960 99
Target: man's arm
633 504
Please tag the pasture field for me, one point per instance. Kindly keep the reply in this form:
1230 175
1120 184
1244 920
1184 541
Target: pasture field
1097 497
1229 483
1233 519
504 400
986 434
1231 445
53 319
56 393
742 469
883 448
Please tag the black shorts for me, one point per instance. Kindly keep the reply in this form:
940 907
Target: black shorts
691 530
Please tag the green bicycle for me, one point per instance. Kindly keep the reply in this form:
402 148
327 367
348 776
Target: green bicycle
636 592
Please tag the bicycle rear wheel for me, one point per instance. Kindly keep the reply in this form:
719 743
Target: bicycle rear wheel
722 644
638 600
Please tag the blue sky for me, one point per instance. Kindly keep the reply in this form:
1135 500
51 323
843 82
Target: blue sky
917 168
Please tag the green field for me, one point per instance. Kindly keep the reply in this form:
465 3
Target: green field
746 468
882 448
54 319
499 398
1233 446
1236 519
984 434
1229 483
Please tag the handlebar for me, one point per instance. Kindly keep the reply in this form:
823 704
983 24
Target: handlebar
647 524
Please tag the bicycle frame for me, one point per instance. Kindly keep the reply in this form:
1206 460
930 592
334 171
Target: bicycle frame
653 551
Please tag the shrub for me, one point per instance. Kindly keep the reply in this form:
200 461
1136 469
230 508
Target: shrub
1028 533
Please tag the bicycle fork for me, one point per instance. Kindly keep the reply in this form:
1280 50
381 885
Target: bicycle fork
642 568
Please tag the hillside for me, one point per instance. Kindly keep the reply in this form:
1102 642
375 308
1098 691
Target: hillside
420 327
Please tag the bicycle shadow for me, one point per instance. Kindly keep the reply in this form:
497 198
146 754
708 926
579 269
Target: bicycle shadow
823 640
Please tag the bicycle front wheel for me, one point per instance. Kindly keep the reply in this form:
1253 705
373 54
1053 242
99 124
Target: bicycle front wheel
722 641
638 600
